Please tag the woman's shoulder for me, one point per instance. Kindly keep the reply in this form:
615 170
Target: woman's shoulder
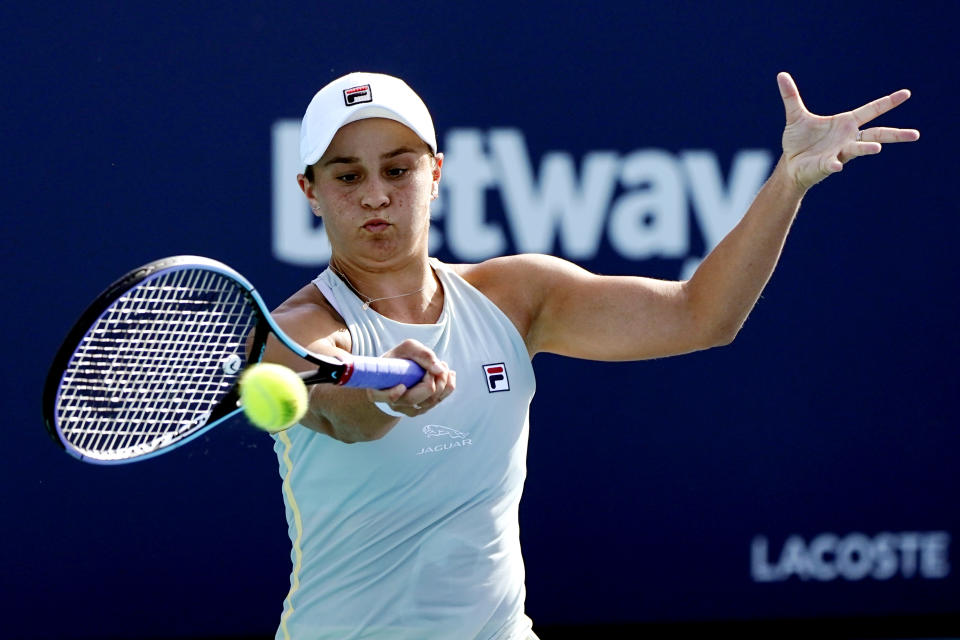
515 283
307 316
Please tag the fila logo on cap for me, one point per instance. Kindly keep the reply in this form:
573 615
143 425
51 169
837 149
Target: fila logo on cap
357 95
496 375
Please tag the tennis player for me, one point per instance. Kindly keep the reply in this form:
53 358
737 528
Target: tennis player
402 503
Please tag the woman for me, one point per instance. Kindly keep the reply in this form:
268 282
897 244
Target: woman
402 503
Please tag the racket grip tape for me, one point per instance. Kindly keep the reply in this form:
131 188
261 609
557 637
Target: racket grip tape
381 373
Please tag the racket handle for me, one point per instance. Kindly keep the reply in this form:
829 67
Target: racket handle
381 373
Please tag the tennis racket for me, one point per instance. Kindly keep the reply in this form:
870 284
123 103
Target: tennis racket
154 361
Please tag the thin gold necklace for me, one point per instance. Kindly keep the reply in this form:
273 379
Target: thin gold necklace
367 300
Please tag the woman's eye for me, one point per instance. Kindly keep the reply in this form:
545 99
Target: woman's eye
396 172
347 177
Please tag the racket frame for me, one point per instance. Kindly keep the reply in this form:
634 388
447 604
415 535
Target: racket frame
329 370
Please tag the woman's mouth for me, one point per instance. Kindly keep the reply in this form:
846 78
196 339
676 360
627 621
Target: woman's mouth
376 226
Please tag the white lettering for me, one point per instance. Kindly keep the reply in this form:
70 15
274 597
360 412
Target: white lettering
794 560
909 545
885 556
467 173
549 207
822 556
716 211
560 202
465 442
651 221
933 559
854 557
760 569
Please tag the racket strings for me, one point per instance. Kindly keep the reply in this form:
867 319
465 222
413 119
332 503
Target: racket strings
177 372
145 360
156 363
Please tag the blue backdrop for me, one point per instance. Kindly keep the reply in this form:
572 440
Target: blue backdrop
809 470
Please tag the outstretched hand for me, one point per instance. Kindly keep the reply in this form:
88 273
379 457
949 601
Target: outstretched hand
816 146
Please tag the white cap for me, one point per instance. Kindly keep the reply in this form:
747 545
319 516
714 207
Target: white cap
357 96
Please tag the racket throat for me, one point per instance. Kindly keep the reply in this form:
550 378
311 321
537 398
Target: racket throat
327 374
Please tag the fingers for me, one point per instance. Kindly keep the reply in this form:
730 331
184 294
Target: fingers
854 149
390 396
442 388
432 390
871 141
888 134
817 146
871 110
437 384
419 353
421 397
792 104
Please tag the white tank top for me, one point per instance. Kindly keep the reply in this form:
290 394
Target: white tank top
415 536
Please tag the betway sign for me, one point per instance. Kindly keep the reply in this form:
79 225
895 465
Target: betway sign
639 200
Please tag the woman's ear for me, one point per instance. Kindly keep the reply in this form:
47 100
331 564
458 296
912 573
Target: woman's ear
307 187
437 165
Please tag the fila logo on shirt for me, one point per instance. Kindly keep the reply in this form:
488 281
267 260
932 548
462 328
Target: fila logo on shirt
357 95
496 375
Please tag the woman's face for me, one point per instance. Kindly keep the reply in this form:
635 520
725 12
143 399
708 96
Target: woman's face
373 189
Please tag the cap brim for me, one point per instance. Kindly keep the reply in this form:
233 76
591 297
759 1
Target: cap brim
363 113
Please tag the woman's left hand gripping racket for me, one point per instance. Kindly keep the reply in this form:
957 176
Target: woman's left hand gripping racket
154 361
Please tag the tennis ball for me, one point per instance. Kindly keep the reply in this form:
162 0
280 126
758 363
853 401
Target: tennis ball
273 397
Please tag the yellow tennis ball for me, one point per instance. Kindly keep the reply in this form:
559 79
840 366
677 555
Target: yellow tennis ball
273 397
